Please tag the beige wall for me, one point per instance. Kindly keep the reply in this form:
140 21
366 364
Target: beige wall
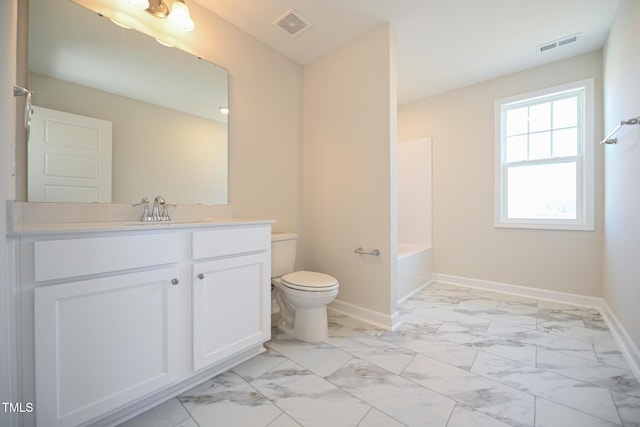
465 241
154 150
350 170
622 170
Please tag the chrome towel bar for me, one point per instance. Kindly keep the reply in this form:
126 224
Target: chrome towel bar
375 252
609 140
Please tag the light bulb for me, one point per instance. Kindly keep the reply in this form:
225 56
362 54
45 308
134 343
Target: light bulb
137 4
180 17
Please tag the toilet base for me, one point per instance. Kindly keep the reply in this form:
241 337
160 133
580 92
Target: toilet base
305 323
282 327
310 324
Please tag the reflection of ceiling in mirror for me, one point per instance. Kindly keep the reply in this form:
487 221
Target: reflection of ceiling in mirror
68 42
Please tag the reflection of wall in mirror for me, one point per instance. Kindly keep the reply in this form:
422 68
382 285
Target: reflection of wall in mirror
144 157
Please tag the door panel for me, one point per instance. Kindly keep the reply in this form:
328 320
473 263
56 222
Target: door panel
69 158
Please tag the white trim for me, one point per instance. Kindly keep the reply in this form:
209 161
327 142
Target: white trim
627 346
385 321
525 291
415 291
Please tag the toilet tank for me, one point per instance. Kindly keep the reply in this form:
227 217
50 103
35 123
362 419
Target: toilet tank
283 253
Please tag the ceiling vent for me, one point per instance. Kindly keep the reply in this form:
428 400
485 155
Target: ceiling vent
559 43
293 23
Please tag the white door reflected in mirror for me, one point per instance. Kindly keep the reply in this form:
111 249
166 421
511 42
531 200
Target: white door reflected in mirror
69 158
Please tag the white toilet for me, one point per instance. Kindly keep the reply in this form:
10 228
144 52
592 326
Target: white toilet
301 296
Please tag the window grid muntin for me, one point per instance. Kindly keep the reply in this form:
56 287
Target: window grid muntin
548 99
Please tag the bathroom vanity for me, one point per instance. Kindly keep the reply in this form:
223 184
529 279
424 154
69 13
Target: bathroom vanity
116 317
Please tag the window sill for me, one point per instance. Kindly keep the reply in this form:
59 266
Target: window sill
540 225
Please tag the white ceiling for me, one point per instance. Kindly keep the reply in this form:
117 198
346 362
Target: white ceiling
442 44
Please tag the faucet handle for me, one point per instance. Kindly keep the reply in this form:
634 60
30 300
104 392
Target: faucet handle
165 212
145 211
144 201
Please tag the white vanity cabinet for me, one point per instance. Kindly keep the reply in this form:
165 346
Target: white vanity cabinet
231 304
113 323
102 343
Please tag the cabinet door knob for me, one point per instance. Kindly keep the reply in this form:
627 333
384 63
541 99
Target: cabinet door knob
200 276
175 282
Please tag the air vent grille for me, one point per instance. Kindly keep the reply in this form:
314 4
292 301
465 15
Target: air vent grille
547 46
293 23
559 43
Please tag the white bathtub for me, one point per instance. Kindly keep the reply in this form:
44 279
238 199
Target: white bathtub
414 268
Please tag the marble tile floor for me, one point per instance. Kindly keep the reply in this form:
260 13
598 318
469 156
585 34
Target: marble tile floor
461 358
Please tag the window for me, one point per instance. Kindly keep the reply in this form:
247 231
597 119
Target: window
545 159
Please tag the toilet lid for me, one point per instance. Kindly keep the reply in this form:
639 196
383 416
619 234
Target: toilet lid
309 281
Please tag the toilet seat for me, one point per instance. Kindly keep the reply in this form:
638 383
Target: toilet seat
309 281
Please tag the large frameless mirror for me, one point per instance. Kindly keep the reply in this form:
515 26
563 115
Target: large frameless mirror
167 133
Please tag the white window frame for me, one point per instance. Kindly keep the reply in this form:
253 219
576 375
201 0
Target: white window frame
585 162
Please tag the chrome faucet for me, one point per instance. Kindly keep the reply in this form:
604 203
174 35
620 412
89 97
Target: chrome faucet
159 211
155 212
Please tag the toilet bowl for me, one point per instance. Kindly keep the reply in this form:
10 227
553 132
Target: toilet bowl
301 296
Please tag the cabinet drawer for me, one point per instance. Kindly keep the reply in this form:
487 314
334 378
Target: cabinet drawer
57 259
230 241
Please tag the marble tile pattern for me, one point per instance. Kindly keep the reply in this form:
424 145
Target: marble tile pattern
462 357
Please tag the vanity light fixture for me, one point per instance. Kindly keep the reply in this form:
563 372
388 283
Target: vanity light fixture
179 15
158 9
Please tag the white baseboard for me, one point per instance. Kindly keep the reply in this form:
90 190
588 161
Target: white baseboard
624 341
506 288
626 344
373 317
385 321
414 292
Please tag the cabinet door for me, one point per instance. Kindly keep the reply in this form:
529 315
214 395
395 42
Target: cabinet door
231 307
102 343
